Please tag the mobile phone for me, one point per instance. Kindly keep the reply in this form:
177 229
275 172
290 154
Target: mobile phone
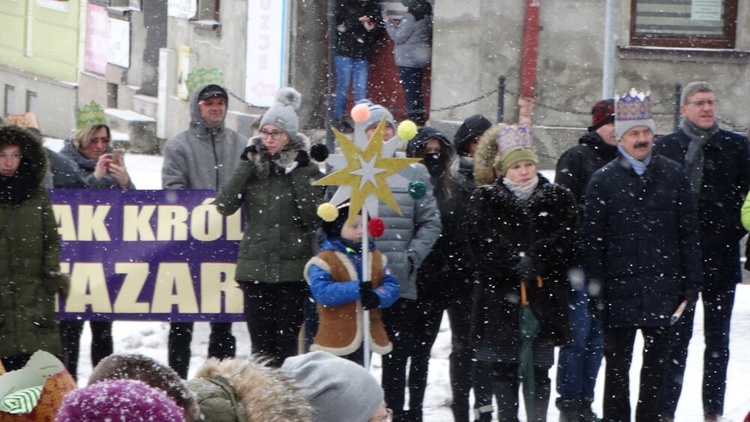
117 156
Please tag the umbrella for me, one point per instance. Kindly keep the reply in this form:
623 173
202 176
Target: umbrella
528 328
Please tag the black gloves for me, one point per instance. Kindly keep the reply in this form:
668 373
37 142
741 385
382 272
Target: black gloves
58 283
525 269
370 299
302 159
251 150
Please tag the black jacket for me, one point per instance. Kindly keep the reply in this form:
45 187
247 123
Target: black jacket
641 241
576 165
352 39
501 226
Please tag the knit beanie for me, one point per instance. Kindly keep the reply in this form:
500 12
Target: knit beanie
424 134
471 129
338 389
283 114
633 109
514 144
118 400
377 112
333 228
602 113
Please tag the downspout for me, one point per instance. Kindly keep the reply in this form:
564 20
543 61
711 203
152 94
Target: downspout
530 50
330 100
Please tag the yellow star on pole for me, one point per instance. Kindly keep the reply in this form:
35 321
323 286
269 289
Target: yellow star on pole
366 171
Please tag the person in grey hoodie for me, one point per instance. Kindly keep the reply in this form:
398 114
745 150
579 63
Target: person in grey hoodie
202 157
413 38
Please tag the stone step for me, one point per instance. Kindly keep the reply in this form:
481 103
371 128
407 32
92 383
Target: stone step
140 130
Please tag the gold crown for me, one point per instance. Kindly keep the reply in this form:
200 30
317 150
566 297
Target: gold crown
513 136
634 105
91 114
201 77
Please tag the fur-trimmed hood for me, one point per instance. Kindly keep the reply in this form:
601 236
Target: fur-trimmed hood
34 161
262 393
285 158
484 158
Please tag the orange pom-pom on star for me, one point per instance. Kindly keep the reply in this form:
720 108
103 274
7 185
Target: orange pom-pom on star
360 113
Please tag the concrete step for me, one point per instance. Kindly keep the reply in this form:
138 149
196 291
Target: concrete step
140 129
146 105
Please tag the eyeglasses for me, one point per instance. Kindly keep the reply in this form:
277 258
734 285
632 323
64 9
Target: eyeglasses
388 417
701 103
275 134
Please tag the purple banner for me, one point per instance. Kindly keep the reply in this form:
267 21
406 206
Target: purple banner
164 255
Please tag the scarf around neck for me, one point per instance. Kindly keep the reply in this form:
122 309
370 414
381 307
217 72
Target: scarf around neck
694 156
522 190
639 167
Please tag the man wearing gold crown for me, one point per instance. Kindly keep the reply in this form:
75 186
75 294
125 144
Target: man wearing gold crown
641 256
718 165
204 156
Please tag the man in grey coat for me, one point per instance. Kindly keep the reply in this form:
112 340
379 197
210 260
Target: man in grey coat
407 241
202 157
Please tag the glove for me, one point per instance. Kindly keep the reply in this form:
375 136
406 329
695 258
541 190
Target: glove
58 282
302 159
370 299
525 269
251 150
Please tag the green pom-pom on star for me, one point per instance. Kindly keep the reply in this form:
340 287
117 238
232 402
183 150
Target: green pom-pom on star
417 190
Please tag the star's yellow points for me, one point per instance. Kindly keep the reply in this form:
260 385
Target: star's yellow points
366 171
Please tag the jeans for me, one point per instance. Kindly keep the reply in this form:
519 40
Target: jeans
274 318
348 70
411 81
618 349
579 360
719 275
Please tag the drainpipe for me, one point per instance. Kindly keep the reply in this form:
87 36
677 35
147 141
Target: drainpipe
530 50
608 68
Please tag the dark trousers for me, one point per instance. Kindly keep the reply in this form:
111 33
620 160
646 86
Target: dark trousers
274 317
618 351
718 300
221 344
428 318
502 381
70 336
15 362
411 81
399 321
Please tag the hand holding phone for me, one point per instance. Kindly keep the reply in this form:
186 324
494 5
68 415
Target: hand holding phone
118 156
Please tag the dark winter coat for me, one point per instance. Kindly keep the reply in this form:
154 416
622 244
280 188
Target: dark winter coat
501 227
64 173
726 180
576 165
280 207
29 253
641 241
200 157
86 167
352 39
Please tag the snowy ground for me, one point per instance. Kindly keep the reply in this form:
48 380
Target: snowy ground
150 338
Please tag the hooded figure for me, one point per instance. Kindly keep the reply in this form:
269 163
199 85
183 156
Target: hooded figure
30 246
238 390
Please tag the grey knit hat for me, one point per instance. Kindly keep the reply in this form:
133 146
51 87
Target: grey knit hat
377 112
283 114
338 389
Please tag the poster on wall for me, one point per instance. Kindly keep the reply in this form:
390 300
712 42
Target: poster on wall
267 50
182 9
96 39
183 69
118 37
706 10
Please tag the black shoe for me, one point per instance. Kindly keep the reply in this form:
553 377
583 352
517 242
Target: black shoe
343 125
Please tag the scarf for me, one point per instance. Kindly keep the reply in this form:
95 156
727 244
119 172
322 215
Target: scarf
694 155
639 167
522 190
17 188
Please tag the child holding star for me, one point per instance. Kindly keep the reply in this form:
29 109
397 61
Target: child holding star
341 295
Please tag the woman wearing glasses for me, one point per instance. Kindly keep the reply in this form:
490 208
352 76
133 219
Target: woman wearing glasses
273 182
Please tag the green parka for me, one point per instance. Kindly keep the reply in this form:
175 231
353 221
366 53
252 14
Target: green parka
29 253
280 206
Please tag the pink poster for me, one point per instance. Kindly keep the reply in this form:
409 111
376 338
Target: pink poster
96 39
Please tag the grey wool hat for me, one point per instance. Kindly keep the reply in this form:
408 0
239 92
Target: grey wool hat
338 389
377 112
283 114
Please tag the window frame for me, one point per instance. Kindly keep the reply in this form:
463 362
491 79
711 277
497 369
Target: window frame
727 41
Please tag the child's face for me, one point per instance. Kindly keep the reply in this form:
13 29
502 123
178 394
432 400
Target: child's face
353 230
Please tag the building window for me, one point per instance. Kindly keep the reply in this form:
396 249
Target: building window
683 23
10 95
30 102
